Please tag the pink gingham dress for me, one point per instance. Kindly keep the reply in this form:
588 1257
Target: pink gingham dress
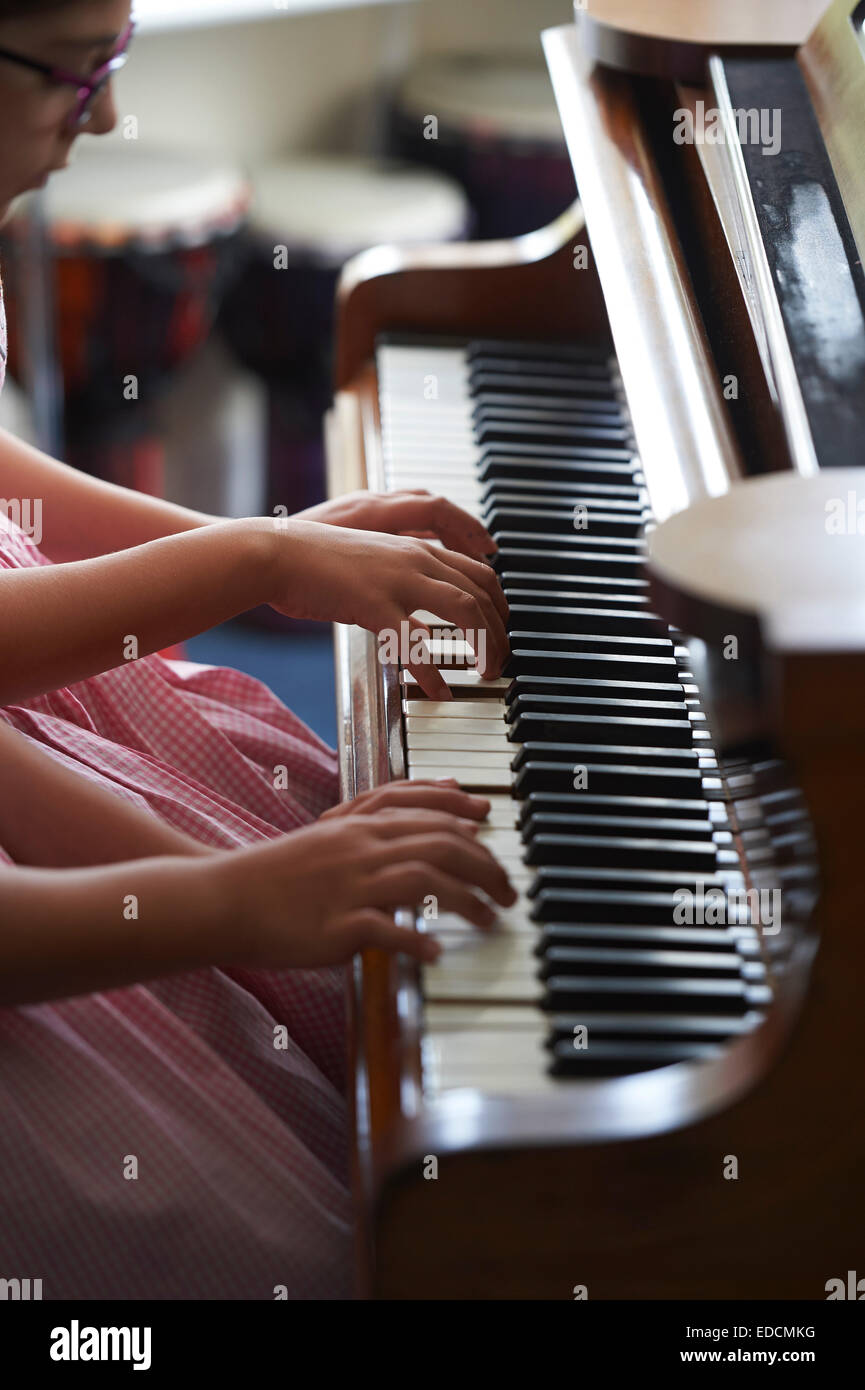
154 1141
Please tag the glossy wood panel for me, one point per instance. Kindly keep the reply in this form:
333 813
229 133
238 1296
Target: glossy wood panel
674 38
529 287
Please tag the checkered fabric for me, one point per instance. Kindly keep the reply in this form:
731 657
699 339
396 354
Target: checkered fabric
154 1141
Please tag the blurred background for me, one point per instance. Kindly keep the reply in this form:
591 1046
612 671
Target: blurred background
170 295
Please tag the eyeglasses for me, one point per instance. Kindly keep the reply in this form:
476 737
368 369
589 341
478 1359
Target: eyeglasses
88 89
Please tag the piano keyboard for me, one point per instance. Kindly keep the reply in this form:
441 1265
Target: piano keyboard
592 748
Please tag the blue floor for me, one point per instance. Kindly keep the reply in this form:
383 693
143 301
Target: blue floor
297 667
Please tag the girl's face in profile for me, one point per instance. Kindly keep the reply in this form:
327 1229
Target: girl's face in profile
36 113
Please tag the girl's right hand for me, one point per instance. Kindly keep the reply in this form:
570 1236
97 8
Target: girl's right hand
334 574
320 894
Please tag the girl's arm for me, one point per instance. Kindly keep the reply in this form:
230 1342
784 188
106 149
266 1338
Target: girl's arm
75 931
74 516
310 898
60 624
53 817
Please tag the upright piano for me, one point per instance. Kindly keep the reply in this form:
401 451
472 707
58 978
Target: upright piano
646 1082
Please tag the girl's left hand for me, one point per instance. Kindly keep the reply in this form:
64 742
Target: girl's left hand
413 513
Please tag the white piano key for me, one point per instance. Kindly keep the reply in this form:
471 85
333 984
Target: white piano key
396 410
453 742
415 468
454 652
499 818
464 1049
449 758
498 968
462 728
396 406
412 445
474 779
405 356
483 711
510 921
461 681
502 841
422 615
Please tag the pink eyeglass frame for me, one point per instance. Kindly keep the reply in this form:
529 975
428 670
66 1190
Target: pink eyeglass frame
87 88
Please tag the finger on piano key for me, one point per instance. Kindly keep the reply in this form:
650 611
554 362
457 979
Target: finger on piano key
511 921
468 683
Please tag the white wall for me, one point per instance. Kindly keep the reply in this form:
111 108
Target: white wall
302 81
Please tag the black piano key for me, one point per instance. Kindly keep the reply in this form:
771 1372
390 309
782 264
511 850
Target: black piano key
604 665
574 754
596 400
543 599
562 510
590 643
609 779
589 803
512 431
554 522
570 618
611 1024
661 691
551 877
696 995
616 905
671 938
636 962
564 493
544 383
566 497
655 827
515 554
568 356
600 586
626 1057
601 706
577 545
601 466
692 856
541 452
543 413
559 728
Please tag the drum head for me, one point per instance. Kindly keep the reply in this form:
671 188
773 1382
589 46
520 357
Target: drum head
508 99
328 209
118 193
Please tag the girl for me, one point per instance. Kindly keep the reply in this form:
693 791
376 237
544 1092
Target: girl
172 1092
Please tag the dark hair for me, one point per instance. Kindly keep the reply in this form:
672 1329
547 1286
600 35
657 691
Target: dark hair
22 9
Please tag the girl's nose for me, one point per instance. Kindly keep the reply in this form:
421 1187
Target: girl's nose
103 117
